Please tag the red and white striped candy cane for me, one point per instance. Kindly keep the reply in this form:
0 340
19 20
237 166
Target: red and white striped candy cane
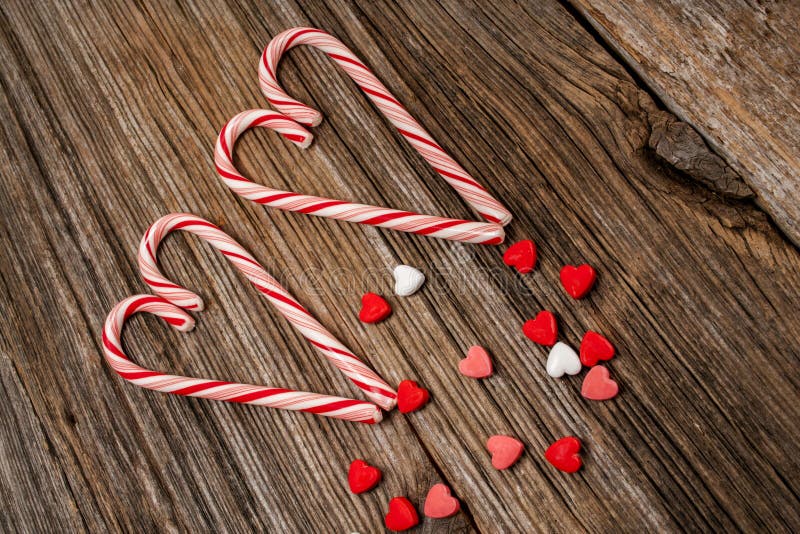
406 221
285 399
365 378
469 189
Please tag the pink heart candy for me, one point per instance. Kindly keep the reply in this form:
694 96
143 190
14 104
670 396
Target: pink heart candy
597 385
439 503
477 364
505 451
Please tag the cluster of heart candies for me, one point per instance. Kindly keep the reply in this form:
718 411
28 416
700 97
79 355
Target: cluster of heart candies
543 329
505 450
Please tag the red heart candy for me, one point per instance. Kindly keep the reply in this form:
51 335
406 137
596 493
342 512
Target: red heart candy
439 503
505 451
563 454
401 516
521 256
543 329
362 476
595 347
477 364
597 384
410 396
578 281
374 308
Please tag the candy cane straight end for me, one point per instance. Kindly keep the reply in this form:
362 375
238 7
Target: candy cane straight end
494 235
186 325
305 143
313 118
389 405
303 138
194 304
377 416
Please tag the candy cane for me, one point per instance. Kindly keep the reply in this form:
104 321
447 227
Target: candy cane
285 399
469 189
475 194
406 221
366 379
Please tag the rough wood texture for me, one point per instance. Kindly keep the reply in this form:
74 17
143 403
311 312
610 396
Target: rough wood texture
731 70
109 117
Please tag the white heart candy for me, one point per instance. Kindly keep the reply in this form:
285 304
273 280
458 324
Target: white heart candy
407 280
563 359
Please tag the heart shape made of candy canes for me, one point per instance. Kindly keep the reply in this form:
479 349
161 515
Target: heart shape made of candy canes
362 376
282 398
471 191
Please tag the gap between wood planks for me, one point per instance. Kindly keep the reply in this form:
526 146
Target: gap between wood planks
677 135
732 185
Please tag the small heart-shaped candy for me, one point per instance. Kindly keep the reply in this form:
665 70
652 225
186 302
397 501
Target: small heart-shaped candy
407 280
410 396
439 503
521 256
362 476
594 348
505 451
402 515
562 359
477 364
564 454
374 308
578 281
597 384
543 329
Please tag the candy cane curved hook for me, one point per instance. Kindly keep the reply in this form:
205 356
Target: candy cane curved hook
285 399
362 376
405 221
466 186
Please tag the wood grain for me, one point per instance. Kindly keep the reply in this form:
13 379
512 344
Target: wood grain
731 70
109 115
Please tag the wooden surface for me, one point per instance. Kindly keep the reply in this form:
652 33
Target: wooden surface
109 116
731 69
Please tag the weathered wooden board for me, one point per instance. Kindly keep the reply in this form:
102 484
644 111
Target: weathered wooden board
732 70
109 115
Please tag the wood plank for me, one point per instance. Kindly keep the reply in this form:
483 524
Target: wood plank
730 69
109 115
34 493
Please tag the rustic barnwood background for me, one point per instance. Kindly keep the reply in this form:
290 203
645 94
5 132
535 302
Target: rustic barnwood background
109 116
